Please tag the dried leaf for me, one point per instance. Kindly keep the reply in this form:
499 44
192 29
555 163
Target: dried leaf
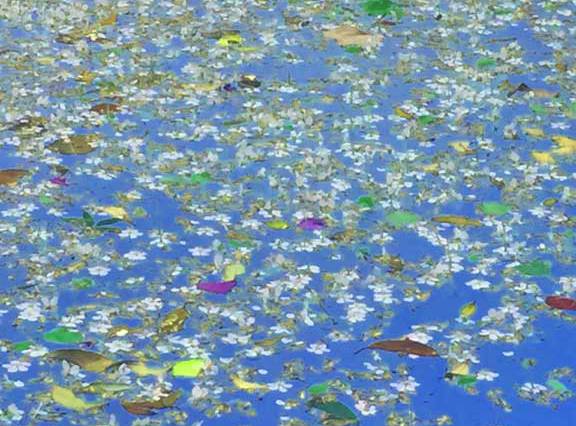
11 176
148 408
456 220
174 321
75 144
405 346
86 360
348 35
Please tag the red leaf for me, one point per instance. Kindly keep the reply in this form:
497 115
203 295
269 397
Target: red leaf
560 302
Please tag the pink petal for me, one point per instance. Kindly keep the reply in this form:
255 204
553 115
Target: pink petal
311 224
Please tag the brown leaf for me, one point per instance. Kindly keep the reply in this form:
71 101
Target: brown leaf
105 108
86 360
457 220
174 321
75 144
148 408
348 35
406 346
11 176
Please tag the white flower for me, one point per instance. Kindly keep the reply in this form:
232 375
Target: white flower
119 346
16 366
407 385
486 375
357 312
318 348
15 413
533 389
199 251
100 271
135 255
30 311
365 408
491 334
478 284
130 233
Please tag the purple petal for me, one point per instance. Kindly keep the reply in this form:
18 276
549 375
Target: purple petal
59 180
218 287
311 224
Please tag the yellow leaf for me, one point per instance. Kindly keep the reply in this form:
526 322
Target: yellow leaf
115 212
348 35
401 113
109 20
247 386
566 145
534 132
462 147
543 157
460 369
432 168
232 271
229 39
66 398
174 321
46 60
468 310
142 370
189 368
86 77
277 224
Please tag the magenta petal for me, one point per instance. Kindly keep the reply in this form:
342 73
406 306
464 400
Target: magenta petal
59 180
218 287
311 224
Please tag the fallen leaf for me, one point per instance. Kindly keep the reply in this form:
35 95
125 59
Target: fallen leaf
462 147
11 176
468 310
115 212
348 35
63 335
232 270
247 386
66 398
335 409
405 346
534 132
148 408
456 220
174 321
90 361
188 368
566 145
75 144
560 302
543 157
277 224
105 108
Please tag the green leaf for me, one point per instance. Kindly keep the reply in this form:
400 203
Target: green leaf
493 208
535 268
366 202
63 335
382 8
426 119
335 409
353 48
82 283
539 109
557 386
46 200
402 218
188 368
200 178
466 380
21 346
106 222
73 220
318 388
485 63
88 219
